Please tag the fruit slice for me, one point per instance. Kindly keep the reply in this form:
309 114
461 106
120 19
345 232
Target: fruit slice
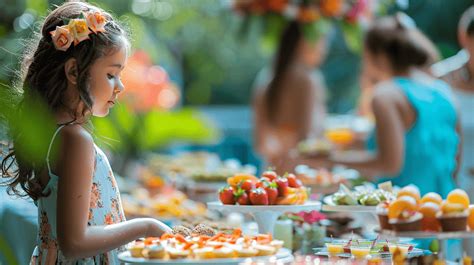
448 207
287 200
410 190
458 196
403 203
238 178
432 197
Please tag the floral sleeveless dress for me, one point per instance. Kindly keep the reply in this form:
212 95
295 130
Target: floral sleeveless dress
105 209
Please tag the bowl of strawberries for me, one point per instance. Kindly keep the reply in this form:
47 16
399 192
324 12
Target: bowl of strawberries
269 189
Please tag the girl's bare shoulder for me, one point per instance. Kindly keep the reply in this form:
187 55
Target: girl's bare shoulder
76 137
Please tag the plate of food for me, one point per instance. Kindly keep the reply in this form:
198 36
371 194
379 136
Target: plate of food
202 245
315 147
267 190
361 199
265 198
323 181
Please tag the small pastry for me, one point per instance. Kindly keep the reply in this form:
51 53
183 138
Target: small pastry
136 250
156 251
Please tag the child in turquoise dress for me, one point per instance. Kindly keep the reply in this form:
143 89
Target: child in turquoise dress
74 69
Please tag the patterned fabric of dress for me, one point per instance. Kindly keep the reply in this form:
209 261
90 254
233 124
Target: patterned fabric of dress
105 209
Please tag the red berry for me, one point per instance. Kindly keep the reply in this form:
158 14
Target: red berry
247 185
282 184
293 182
226 195
242 197
258 196
261 182
272 191
271 175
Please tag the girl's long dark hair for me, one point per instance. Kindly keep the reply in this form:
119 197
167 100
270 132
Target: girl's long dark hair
42 79
286 52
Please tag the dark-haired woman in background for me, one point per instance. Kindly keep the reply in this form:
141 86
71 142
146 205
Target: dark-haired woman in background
289 105
416 139
461 80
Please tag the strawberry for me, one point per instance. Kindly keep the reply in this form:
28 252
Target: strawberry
293 181
258 196
271 175
242 197
272 191
247 185
226 195
261 182
282 184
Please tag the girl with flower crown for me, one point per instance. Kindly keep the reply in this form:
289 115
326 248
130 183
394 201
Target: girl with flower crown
74 70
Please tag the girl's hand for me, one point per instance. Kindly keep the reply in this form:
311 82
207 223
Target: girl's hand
156 228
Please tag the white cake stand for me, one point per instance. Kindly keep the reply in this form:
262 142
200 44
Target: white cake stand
264 215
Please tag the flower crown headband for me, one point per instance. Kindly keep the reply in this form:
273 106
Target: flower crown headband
78 29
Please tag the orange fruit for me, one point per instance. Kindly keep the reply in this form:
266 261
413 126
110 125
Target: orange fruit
403 203
429 221
410 190
432 197
448 207
237 178
470 219
458 196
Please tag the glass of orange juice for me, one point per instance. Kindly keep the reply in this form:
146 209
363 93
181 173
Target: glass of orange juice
340 136
335 248
403 248
361 251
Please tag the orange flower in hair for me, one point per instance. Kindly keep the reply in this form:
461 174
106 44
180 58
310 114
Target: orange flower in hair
79 30
62 38
96 21
331 7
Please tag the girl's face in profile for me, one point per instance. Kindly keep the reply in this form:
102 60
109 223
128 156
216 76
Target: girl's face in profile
105 83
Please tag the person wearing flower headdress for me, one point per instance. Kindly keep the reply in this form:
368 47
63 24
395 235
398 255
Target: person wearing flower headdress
289 100
73 70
